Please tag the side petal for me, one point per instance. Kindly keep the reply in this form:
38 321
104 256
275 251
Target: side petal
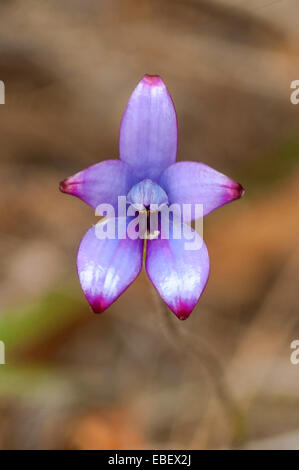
106 267
179 274
148 131
197 183
100 183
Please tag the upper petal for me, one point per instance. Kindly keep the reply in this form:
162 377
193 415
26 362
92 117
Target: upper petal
197 183
148 131
106 267
179 274
101 183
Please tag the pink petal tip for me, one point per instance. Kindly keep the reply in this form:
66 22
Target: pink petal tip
182 311
64 186
239 191
98 305
153 80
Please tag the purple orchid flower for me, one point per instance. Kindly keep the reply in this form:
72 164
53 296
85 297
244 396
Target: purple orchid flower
147 173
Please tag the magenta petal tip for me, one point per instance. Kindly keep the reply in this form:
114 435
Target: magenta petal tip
68 185
98 305
183 309
153 80
238 191
241 191
63 186
183 313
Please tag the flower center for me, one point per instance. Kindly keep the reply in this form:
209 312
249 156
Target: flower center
146 193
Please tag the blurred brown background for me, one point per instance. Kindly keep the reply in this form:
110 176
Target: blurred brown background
136 377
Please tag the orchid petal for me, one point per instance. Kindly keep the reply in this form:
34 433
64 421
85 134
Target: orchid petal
197 183
179 274
106 267
101 183
148 131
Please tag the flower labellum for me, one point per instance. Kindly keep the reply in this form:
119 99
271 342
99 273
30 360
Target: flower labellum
148 180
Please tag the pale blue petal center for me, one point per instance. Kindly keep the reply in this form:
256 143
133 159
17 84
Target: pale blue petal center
147 193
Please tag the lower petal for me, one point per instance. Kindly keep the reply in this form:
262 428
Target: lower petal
106 267
178 273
